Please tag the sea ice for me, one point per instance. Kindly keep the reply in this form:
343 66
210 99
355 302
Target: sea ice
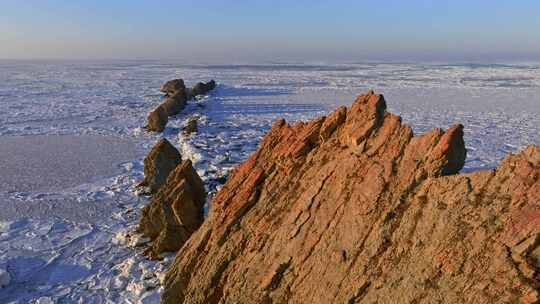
69 206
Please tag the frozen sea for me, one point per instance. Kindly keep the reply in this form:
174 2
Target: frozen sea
72 144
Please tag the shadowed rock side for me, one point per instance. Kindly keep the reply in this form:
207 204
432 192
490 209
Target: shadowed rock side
157 119
175 103
161 160
351 208
202 88
175 212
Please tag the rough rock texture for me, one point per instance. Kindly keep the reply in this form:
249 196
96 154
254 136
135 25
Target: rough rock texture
175 212
157 119
173 86
161 160
175 103
352 208
202 88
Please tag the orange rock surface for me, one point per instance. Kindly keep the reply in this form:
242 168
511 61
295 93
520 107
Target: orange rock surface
352 208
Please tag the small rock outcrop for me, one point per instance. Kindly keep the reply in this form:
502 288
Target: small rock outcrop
191 126
175 212
176 98
174 103
157 120
352 208
158 164
173 86
202 88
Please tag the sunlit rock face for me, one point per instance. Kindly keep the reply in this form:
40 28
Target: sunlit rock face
353 208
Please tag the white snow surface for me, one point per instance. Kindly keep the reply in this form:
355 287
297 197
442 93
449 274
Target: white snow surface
72 145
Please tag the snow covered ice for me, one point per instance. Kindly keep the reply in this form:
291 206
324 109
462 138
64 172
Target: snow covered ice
72 144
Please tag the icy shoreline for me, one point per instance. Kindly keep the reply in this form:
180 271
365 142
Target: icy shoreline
83 252
57 252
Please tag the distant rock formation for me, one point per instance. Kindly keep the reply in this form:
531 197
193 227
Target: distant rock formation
176 98
174 103
352 208
157 120
171 87
202 88
175 212
161 160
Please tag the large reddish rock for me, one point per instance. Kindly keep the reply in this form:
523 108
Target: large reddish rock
175 212
352 208
161 160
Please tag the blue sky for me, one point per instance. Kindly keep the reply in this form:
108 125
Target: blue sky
220 30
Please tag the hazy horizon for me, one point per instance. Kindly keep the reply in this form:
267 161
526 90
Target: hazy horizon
257 31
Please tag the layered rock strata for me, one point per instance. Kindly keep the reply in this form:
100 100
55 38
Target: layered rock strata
352 208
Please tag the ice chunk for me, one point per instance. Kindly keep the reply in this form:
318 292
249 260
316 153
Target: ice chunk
5 278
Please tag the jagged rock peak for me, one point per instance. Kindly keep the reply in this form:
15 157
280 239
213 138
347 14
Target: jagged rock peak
161 160
352 208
